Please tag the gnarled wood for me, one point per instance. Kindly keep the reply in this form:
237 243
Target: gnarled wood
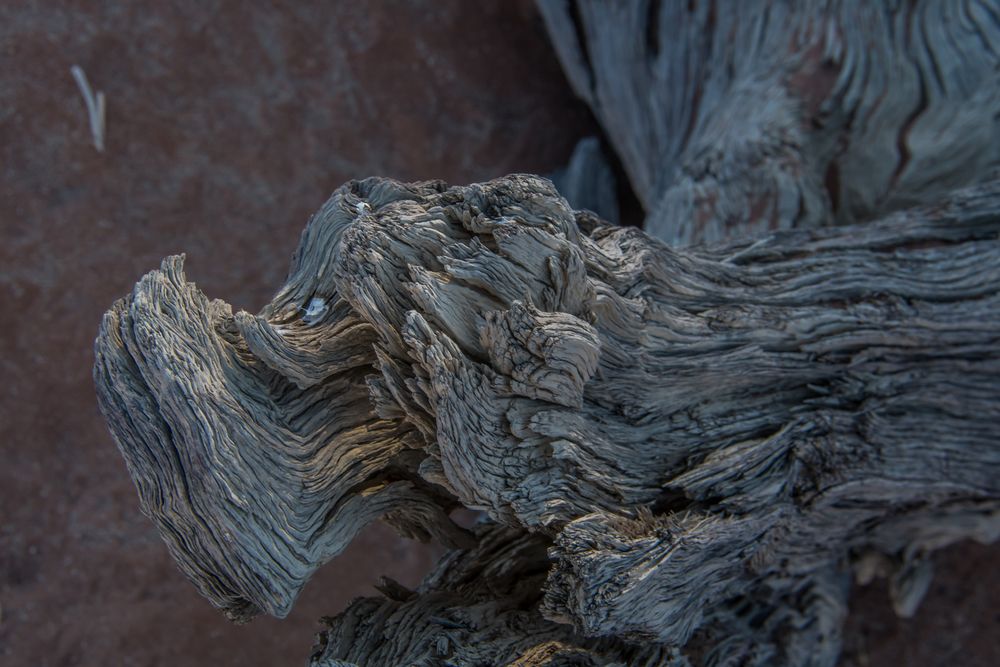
710 437
738 118
251 439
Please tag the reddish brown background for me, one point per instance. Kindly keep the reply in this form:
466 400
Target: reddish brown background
227 124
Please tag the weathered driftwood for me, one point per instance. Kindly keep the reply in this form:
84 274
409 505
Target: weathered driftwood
710 438
745 117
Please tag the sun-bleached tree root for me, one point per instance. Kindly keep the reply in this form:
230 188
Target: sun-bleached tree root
707 440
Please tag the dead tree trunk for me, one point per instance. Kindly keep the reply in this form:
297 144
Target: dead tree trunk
710 439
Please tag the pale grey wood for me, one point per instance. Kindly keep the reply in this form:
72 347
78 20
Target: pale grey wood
710 437
737 118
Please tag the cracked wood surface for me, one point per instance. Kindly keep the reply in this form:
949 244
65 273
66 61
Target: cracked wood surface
707 439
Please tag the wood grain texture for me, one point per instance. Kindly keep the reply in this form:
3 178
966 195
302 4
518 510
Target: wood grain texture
738 118
711 439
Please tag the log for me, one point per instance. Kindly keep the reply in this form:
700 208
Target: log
708 440
738 118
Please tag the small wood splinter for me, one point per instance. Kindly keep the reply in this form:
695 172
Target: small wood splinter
95 107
